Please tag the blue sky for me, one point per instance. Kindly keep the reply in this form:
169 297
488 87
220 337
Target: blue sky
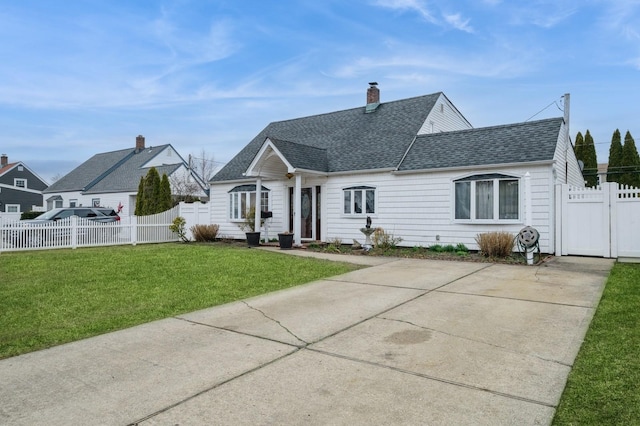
82 77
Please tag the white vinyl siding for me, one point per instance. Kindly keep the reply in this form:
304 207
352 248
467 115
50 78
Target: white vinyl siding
415 207
444 117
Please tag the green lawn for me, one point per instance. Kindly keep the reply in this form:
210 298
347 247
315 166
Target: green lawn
604 384
52 297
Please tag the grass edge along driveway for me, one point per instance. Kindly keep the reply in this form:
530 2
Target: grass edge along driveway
604 384
53 297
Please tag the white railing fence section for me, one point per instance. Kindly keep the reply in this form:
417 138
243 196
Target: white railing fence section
76 232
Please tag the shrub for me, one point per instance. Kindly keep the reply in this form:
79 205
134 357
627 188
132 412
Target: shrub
205 233
29 215
334 245
178 227
383 240
461 248
495 244
449 248
437 248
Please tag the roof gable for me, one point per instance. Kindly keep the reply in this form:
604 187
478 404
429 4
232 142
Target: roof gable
13 168
353 139
507 144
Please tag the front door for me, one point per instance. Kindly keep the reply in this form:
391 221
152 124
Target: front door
310 213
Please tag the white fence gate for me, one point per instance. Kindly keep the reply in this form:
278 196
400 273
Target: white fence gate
603 221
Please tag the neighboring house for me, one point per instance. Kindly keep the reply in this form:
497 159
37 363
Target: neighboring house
415 166
20 188
111 179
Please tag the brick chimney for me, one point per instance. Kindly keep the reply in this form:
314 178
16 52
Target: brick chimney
373 97
4 160
139 143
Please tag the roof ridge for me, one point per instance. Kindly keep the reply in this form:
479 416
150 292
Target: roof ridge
295 143
498 126
109 170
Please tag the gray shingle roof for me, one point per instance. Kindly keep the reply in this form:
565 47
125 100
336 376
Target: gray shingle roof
353 139
89 171
507 144
115 171
303 156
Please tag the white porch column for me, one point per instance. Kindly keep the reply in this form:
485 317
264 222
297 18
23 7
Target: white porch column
297 211
258 209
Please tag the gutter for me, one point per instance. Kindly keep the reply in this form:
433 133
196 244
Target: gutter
474 167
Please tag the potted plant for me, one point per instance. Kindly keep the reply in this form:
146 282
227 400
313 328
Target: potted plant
248 226
286 240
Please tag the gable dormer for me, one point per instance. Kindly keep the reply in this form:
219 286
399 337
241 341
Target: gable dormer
444 117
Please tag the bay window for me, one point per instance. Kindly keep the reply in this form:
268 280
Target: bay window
490 197
243 198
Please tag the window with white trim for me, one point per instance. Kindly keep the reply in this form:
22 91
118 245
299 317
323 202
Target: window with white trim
12 208
20 183
487 198
243 198
73 203
359 200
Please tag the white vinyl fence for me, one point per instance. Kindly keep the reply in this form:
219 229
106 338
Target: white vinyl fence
76 232
603 221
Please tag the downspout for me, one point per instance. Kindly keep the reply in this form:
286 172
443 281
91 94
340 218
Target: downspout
567 141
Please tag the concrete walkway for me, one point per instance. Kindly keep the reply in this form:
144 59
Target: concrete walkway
402 342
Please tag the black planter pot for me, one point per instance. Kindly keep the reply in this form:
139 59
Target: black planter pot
285 240
253 238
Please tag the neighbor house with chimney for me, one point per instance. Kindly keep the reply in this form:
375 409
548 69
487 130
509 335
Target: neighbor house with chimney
416 167
20 187
111 179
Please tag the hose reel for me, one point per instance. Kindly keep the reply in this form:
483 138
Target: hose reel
528 240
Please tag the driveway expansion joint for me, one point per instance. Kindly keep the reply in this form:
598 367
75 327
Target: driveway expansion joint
482 342
434 378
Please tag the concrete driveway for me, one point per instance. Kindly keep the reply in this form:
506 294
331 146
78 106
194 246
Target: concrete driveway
401 342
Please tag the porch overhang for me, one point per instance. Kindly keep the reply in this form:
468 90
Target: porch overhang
277 159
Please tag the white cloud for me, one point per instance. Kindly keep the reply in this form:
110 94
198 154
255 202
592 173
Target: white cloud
414 5
482 64
453 20
542 13
457 22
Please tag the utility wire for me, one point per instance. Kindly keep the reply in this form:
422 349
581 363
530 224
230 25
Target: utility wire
554 102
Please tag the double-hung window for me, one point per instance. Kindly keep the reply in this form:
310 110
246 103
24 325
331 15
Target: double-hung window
359 200
243 198
487 198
